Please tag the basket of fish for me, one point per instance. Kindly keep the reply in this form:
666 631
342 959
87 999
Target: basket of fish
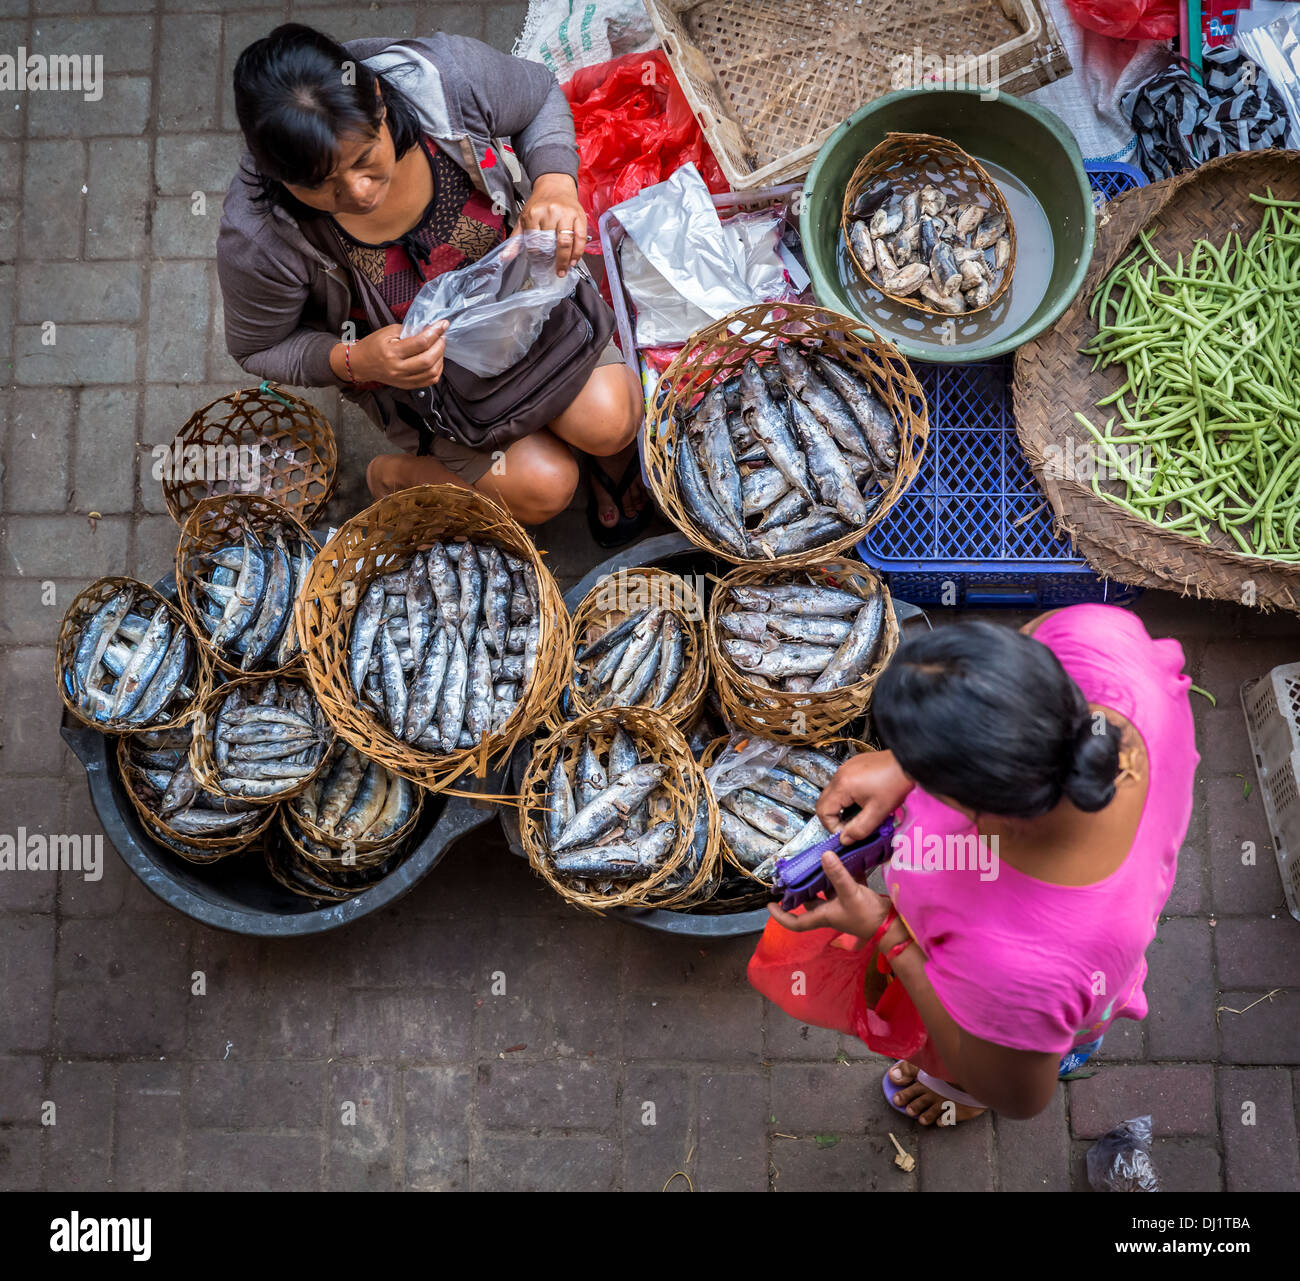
260 739
240 563
795 654
197 825
639 637
291 865
926 225
614 812
262 440
780 435
125 659
767 797
434 636
354 814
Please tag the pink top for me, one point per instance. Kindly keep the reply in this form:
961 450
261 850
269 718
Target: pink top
1034 966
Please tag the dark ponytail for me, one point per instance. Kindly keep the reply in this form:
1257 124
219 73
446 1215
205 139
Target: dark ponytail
988 717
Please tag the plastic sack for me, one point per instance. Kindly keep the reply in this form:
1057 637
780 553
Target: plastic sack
1127 19
568 34
1120 1161
497 305
819 978
634 128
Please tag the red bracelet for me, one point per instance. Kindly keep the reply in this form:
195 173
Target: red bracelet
897 948
890 917
347 360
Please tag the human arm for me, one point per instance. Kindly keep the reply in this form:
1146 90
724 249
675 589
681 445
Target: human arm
1017 1083
871 780
386 357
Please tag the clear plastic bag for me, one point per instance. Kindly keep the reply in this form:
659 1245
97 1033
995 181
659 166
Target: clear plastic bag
1120 1161
497 305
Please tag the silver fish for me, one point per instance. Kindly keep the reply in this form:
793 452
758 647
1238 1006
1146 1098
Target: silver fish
821 398
673 647
423 700
953 304
148 656
589 776
276 603
394 683
451 714
826 465
787 658
760 489
991 230
863 247
419 606
700 503
713 443
907 279
601 814
764 814
365 628
478 705
243 604
820 527
471 593
854 656
750 846
770 423
886 220
445 583
559 801
797 598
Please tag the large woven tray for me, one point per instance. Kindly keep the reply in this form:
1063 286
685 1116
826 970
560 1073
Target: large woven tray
769 80
1053 381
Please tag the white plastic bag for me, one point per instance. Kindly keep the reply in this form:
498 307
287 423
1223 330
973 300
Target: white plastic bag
497 306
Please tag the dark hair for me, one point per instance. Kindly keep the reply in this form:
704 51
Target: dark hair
294 107
988 717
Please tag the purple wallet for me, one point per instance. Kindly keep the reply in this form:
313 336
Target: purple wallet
801 878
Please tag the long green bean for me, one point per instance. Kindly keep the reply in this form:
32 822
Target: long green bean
1209 347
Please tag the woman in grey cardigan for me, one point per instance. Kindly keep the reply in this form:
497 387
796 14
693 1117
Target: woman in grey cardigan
373 167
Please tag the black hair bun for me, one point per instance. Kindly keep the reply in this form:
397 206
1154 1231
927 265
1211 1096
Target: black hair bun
1090 776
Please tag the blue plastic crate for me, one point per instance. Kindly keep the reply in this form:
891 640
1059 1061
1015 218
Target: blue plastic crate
974 530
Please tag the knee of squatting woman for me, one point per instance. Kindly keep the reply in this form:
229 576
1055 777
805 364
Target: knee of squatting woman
1067 750
354 193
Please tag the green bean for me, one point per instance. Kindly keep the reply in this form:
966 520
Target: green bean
1209 347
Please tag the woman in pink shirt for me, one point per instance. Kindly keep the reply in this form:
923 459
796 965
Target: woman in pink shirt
1045 782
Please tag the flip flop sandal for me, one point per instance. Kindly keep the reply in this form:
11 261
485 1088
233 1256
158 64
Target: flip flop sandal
941 1088
627 527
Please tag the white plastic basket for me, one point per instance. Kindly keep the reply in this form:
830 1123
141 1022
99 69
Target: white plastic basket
1272 707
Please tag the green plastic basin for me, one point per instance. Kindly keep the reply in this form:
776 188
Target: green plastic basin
1031 143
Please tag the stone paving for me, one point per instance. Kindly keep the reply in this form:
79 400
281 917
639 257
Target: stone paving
104 232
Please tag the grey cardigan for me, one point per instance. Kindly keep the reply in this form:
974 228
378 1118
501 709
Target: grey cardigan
286 298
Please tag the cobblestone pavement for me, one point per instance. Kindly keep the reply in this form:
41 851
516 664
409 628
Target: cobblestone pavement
547 1085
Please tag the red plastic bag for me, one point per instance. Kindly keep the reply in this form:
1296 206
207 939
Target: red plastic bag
820 977
1128 19
634 129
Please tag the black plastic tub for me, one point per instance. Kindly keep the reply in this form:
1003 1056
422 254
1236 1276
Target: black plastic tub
238 893
674 552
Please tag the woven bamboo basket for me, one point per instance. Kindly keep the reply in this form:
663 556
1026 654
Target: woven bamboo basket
1053 381
704 884
298 867
379 539
198 675
717 351
218 522
354 854
202 756
617 595
261 440
715 749
770 80
288 864
782 715
195 849
911 161
674 800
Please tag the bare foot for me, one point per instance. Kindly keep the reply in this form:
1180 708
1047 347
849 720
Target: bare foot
923 1103
634 497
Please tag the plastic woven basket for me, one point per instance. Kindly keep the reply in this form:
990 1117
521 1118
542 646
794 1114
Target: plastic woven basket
975 530
1272 707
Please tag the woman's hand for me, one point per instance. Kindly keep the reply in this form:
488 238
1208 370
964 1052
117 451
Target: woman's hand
855 909
873 781
386 357
554 206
